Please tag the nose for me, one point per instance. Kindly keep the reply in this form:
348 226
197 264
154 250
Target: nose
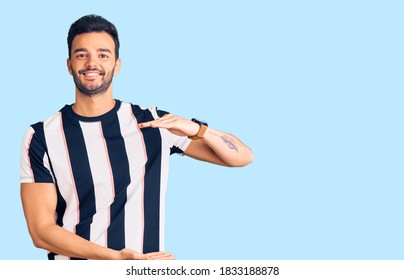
91 62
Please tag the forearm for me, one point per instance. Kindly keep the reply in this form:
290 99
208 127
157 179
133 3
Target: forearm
39 203
216 146
228 147
56 239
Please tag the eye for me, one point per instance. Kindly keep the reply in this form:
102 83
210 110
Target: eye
104 55
81 55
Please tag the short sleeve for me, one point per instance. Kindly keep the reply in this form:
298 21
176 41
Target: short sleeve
177 144
34 162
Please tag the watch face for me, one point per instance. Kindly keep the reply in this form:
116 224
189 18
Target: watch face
200 122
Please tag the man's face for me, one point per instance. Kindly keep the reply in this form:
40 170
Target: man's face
93 63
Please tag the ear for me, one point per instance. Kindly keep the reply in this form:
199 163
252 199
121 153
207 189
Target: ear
69 66
117 66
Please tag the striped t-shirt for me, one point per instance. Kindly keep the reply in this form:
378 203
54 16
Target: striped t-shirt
111 176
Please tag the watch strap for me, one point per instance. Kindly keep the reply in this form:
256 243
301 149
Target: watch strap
202 129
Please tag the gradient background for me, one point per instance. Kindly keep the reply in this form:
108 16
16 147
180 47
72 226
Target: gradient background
315 88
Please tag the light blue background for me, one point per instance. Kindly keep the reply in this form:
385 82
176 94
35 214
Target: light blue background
315 88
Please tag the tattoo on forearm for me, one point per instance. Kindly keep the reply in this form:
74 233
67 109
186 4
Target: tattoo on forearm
230 143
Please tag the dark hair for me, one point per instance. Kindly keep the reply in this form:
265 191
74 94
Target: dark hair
92 23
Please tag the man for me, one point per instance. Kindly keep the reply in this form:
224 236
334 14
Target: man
94 175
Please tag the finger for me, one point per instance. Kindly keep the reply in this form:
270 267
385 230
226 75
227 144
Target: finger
165 256
153 255
164 119
159 256
166 123
166 116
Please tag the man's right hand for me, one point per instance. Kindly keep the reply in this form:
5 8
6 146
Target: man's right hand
127 254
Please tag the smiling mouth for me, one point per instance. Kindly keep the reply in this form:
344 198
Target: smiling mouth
91 73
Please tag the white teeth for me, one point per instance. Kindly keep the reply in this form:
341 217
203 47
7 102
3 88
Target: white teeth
91 74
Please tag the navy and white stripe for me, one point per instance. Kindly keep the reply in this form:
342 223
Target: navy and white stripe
111 177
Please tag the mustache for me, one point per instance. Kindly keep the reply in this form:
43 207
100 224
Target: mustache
101 72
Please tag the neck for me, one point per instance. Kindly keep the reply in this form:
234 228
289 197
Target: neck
93 106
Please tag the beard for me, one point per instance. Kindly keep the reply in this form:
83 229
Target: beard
94 89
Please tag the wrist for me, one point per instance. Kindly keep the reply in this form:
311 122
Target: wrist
114 255
203 126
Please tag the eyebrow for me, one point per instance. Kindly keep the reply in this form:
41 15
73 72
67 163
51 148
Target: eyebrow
79 50
85 50
104 50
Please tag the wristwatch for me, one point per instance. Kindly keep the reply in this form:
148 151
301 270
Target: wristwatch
202 129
